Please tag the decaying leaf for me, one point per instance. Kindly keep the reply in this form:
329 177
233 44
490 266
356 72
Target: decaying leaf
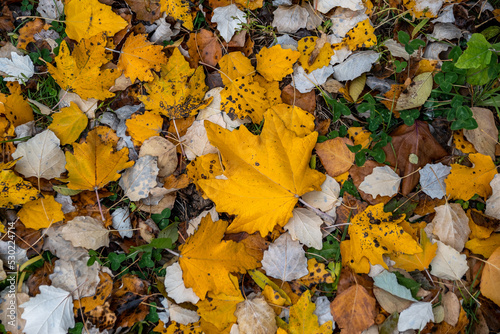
327 198
448 263
490 277
15 190
305 227
335 155
86 232
138 180
275 63
432 178
418 261
228 18
451 225
255 316
68 124
174 286
179 10
76 277
354 310
416 316
484 137
417 93
303 319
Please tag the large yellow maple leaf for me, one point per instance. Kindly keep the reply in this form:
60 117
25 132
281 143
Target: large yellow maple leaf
87 18
95 163
80 72
178 93
374 233
266 174
303 319
138 56
206 260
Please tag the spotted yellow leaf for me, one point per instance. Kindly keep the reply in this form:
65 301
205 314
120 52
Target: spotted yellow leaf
244 97
142 127
15 191
275 63
315 53
234 65
179 10
41 213
361 36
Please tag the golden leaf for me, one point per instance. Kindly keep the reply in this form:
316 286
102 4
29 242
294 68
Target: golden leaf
206 261
139 56
374 233
361 36
68 124
359 136
16 109
418 261
485 247
142 127
272 88
461 143
41 213
317 274
303 319
234 65
81 73
177 328
95 162
206 167
179 10
275 63
335 155
268 173
15 190
87 18
463 182
244 97
307 46
295 119
491 277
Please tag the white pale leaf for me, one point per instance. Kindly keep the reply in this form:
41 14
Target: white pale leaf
87 106
286 42
60 247
451 225
290 19
493 203
49 312
122 223
41 156
446 15
430 6
18 68
389 282
448 263
228 19
196 141
163 31
305 227
174 285
326 198
43 108
285 259
432 178
165 151
324 6
344 19
66 202
86 232
383 181
323 311
304 82
182 315
446 31
255 316
415 317
50 9
76 277
396 49
138 180
484 137
195 222
355 65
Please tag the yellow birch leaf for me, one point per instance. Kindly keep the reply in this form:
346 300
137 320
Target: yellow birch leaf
275 63
95 163
461 143
80 72
342 178
16 109
69 123
361 36
418 261
268 173
273 92
179 10
234 65
491 277
273 298
142 127
464 182
307 46
244 97
139 56
359 136
177 69
303 319
41 213
87 18
219 309
374 233
206 260
15 191
178 328
250 4
484 247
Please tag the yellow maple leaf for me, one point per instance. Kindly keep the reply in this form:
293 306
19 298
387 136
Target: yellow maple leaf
205 167
268 173
219 309
361 36
142 127
206 260
15 108
15 190
178 328
139 56
69 123
303 320
41 213
464 182
374 233
178 93
234 65
95 163
275 63
418 261
179 10
321 57
272 88
485 247
87 18
80 72
244 97
295 119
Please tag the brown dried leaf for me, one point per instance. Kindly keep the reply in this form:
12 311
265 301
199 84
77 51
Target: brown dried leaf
335 156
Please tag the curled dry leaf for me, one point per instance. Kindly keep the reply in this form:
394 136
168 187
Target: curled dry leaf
325 199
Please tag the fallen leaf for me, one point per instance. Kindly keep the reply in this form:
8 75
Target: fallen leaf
303 319
451 225
416 93
389 302
490 277
290 19
27 32
17 68
293 97
179 10
234 65
122 223
248 170
418 261
86 232
354 66
175 288
335 155
315 53
452 308
206 260
145 10
415 317
40 156
484 247
228 19
275 63
145 126
138 180
361 36
493 202
484 137
204 46
285 259
15 190
305 227
389 282
50 9
448 263
164 151
255 316
68 124
76 277
305 82
41 213
354 310
432 178
325 199
383 181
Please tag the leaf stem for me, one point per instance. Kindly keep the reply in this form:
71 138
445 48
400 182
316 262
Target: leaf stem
99 204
